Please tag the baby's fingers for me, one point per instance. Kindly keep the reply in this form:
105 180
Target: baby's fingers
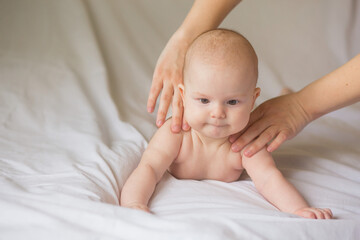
306 214
323 213
315 213
328 213
319 214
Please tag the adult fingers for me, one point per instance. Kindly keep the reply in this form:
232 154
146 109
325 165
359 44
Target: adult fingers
251 131
279 139
243 140
259 131
155 89
165 101
177 112
247 136
185 125
235 136
264 138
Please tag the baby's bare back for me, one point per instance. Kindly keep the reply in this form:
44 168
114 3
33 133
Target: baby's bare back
199 162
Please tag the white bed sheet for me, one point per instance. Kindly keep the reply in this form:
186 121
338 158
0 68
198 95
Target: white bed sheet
74 79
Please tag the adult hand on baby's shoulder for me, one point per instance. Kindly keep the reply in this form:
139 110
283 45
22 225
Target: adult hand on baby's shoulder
314 213
276 120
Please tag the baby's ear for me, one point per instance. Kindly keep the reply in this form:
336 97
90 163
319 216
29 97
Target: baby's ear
181 88
256 95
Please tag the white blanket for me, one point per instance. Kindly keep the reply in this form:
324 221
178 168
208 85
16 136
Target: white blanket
74 79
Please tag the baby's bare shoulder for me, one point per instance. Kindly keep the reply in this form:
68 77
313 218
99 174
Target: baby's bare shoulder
164 139
166 127
186 151
235 160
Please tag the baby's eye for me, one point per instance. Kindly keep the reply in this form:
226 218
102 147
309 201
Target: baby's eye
233 102
204 100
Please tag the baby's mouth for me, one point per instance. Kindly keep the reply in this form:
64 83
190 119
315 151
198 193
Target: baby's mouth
217 125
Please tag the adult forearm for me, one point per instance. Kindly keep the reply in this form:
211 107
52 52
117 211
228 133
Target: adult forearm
203 16
335 90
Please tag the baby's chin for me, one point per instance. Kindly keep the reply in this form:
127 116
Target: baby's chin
217 133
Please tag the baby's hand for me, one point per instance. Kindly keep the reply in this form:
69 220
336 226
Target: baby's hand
139 206
314 213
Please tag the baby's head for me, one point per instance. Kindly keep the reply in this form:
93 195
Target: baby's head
222 48
220 76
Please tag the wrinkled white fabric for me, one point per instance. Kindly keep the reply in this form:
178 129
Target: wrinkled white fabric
74 80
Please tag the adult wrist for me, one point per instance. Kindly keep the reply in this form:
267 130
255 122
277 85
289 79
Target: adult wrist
307 106
185 36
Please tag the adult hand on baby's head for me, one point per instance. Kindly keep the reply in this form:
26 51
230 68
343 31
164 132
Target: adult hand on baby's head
168 75
276 120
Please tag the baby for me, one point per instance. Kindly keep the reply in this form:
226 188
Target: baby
218 94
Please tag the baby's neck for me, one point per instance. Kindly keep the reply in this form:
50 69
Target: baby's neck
208 142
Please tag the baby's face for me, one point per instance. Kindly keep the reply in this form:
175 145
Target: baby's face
218 99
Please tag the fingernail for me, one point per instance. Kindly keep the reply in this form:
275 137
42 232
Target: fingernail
248 153
235 148
175 128
231 139
159 123
150 109
186 127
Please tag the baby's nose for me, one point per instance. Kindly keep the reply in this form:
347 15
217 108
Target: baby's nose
218 112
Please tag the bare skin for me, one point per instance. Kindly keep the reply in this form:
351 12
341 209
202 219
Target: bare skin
282 118
168 74
271 123
219 95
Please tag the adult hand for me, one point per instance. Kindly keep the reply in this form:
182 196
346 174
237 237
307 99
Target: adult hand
275 120
204 15
168 75
282 118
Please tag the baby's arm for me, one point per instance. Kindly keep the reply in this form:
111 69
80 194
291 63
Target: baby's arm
276 189
162 150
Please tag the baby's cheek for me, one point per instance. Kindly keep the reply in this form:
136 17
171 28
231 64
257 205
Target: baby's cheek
240 120
193 118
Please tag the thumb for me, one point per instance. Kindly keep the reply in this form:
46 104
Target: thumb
254 116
